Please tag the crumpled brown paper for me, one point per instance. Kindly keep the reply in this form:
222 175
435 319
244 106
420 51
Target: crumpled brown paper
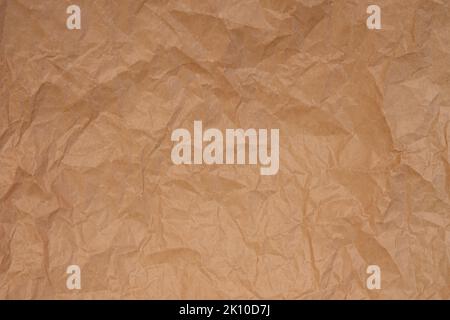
86 176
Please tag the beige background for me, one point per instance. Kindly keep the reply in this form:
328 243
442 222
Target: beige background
86 176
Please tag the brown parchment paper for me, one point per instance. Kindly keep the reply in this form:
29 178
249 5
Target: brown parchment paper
86 176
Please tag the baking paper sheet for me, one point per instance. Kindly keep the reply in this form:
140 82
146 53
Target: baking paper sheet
86 176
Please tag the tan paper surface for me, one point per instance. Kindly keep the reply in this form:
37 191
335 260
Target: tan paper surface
86 176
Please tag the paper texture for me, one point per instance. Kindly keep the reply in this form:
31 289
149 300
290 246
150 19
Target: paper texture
86 176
